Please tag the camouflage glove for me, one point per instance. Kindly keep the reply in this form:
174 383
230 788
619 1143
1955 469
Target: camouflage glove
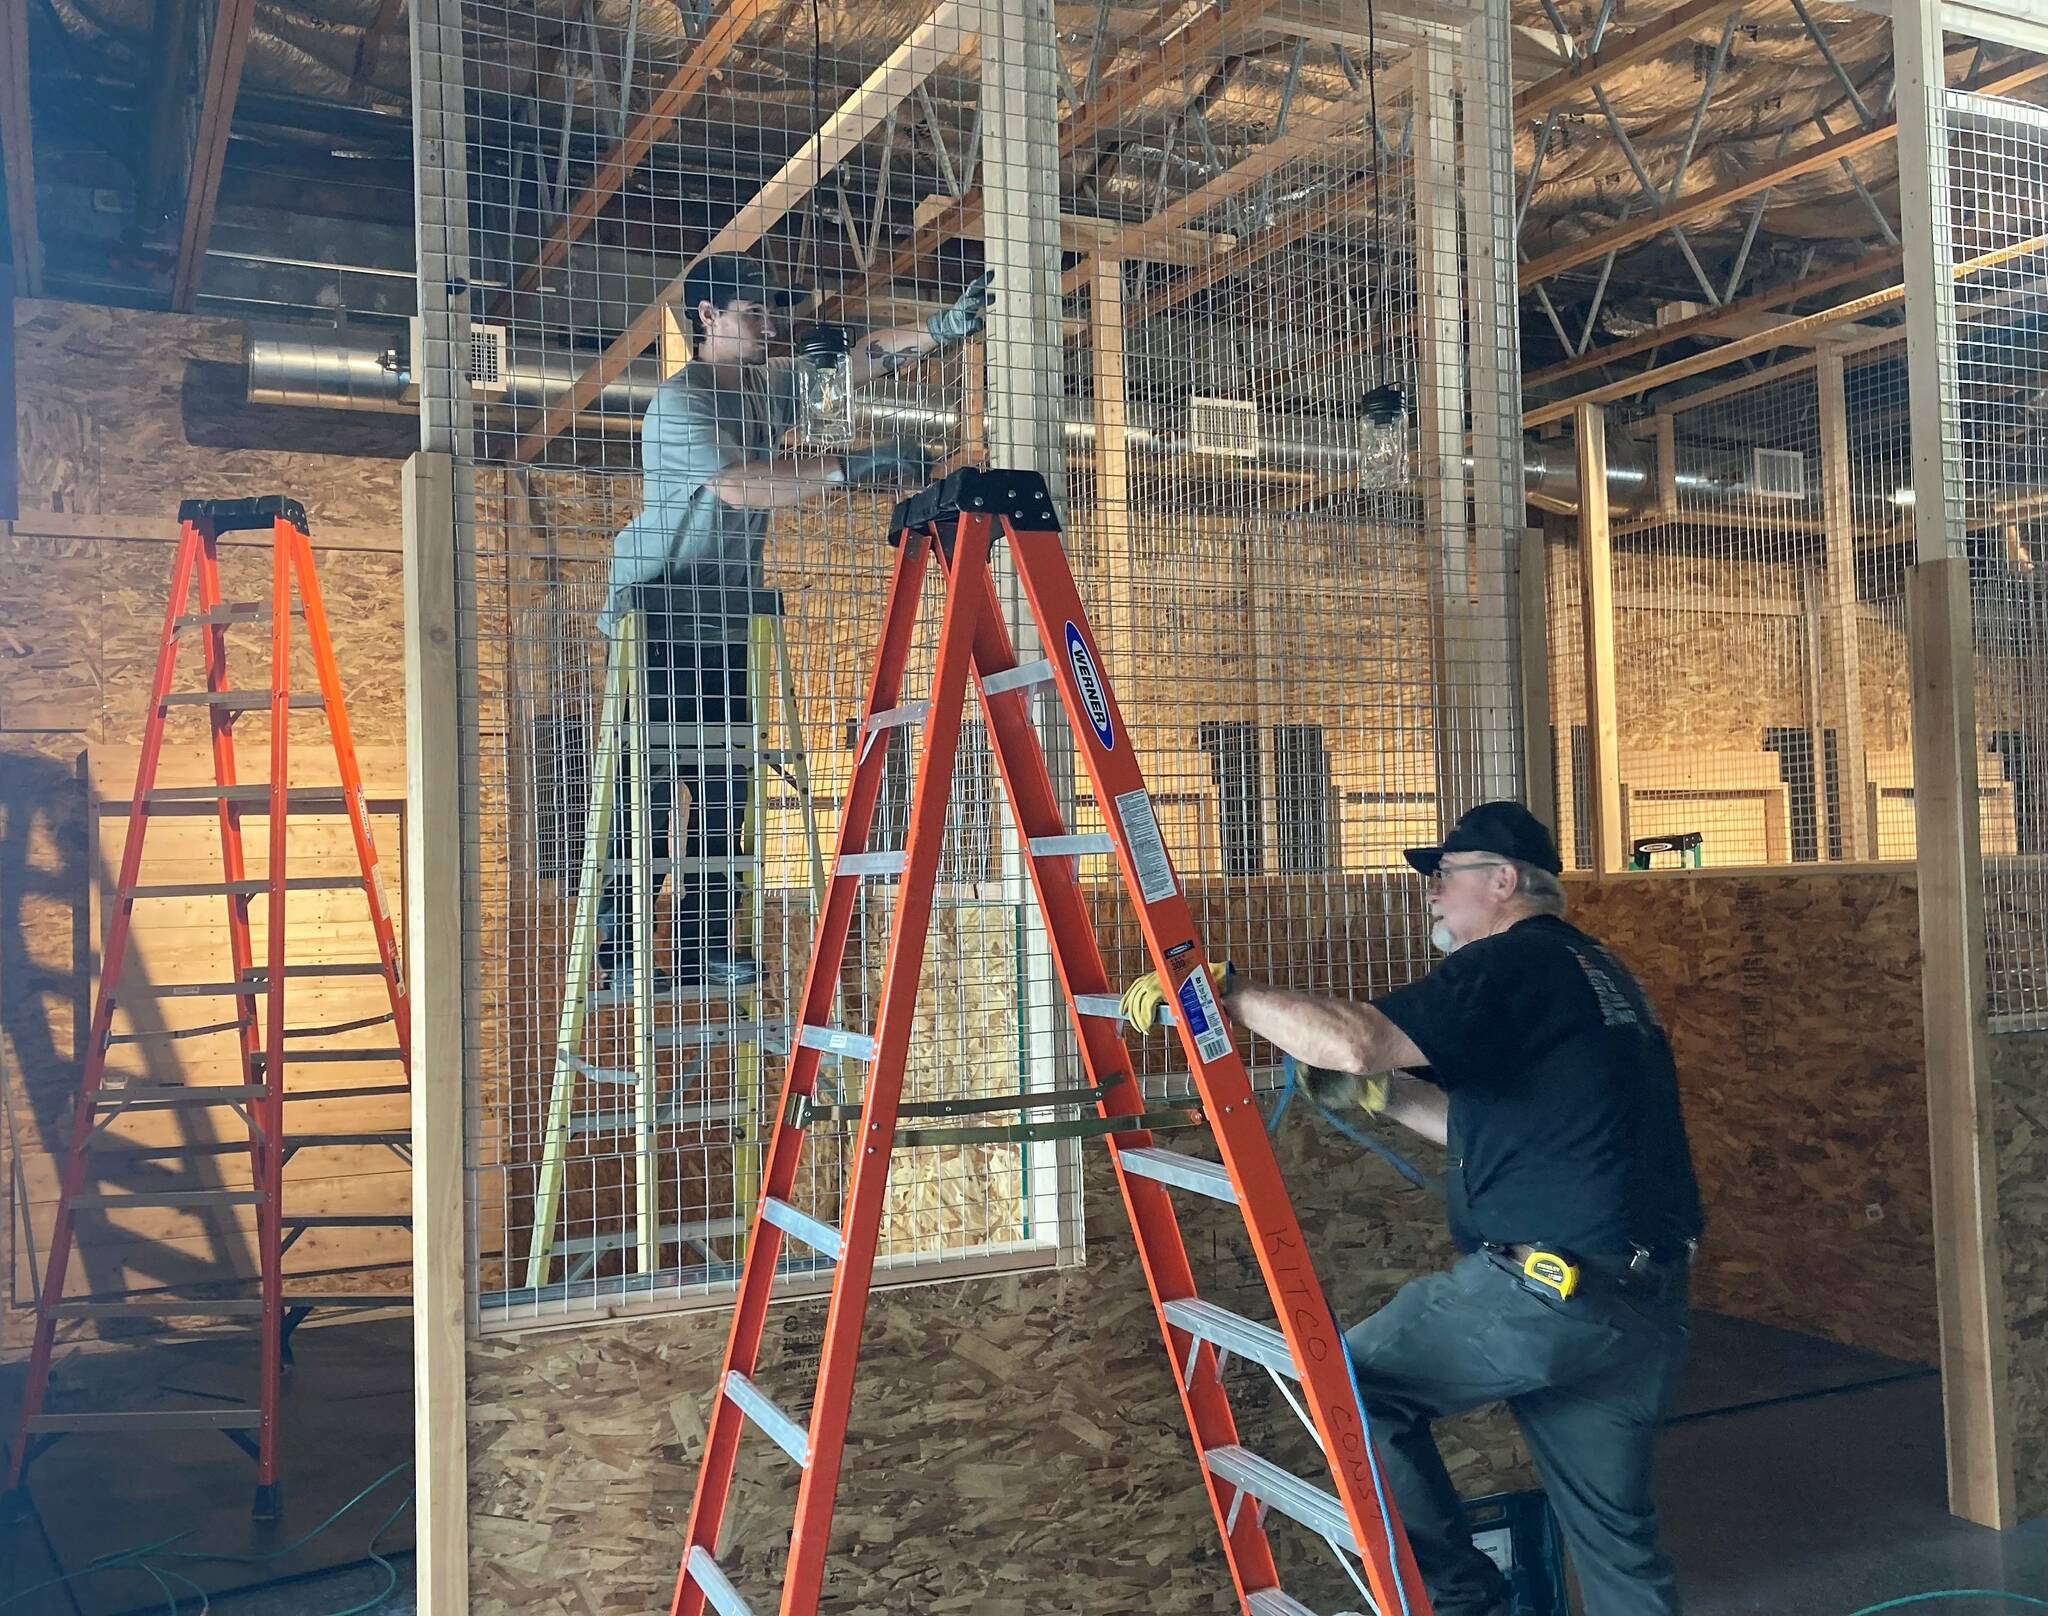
1338 1090
966 317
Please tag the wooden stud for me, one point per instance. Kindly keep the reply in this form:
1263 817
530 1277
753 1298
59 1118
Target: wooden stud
433 961
1627 50
219 85
17 149
1596 596
1111 462
1539 755
1844 652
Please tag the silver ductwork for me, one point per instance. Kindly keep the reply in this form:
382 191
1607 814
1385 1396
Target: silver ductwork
336 376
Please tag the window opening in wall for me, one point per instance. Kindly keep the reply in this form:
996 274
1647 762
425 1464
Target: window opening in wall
1234 765
1303 821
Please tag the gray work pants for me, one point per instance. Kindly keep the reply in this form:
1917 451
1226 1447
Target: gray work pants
1588 1378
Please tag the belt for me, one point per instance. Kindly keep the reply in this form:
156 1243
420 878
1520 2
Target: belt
1647 1279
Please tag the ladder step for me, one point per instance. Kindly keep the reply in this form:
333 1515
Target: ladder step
779 1428
348 1220
182 990
261 973
1182 1172
1220 1327
304 799
871 863
156 1096
228 612
1072 846
1017 678
911 712
723 1596
319 1141
114 1201
1106 1005
245 889
239 701
367 1299
1272 1602
838 1041
112 1158
813 1232
161 1308
1281 1489
173 1034
353 1092
153 1419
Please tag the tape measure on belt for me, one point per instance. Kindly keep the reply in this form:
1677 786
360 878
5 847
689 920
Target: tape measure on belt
1551 1270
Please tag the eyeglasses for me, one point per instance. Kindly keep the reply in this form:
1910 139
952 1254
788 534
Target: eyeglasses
1443 872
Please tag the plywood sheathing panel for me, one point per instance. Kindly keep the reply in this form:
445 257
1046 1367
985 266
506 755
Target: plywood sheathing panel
1016 1444
2019 1097
1793 1002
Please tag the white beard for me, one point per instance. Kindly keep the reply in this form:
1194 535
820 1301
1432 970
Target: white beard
1442 939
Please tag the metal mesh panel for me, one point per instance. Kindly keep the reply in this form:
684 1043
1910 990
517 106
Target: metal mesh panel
1251 362
1999 192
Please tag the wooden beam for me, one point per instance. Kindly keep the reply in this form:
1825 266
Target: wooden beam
1539 756
706 57
1859 836
673 341
227 43
1717 322
433 964
1111 462
936 40
371 46
17 151
1821 154
1596 606
1782 336
1627 50
1532 52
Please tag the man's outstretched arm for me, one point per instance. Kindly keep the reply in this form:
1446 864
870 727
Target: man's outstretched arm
1345 1037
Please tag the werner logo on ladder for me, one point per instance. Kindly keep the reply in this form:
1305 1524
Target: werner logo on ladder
955 525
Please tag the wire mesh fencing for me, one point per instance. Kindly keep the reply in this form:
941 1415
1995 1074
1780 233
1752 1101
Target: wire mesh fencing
1235 322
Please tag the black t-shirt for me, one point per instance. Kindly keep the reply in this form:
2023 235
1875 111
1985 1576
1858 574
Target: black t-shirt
1564 1120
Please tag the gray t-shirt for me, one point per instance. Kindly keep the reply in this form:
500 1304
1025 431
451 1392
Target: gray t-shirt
701 423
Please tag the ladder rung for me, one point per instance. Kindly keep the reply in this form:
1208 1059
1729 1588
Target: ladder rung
309 1057
261 973
353 1092
724 1597
911 712
300 798
242 611
1182 1172
181 990
153 1419
1082 846
239 701
1026 673
884 863
154 1096
161 1308
1272 1602
348 1220
779 1428
1106 1005
813 1232
1220 1327
1281 1489
317 1141
245 889
172 1034
838 1041
114 1201
114 1157
366 1299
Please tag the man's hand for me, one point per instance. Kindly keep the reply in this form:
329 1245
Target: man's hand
896 463
1337 1090
967 316
1143 999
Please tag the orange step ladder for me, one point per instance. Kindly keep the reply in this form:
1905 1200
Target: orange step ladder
954 525
257 993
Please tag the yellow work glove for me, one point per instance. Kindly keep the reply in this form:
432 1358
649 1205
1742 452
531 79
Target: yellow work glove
1143 998
1336 1090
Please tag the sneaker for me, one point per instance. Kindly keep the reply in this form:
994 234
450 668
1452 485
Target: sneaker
719 969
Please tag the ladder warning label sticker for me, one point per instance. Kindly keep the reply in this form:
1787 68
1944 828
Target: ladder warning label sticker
1093 696
1148 848
1199 1014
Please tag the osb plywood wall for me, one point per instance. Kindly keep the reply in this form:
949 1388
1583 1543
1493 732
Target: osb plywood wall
121 415
2019 1080
1016 1444
1793 1001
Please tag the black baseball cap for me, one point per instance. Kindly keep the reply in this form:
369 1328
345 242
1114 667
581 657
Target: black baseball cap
727 278
1505 828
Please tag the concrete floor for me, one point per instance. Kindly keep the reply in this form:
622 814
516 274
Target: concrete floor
1799 1479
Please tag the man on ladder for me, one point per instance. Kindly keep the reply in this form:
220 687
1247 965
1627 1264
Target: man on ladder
1535 1055
691 562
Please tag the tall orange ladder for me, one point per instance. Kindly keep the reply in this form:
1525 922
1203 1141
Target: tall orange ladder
256 992
953 526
